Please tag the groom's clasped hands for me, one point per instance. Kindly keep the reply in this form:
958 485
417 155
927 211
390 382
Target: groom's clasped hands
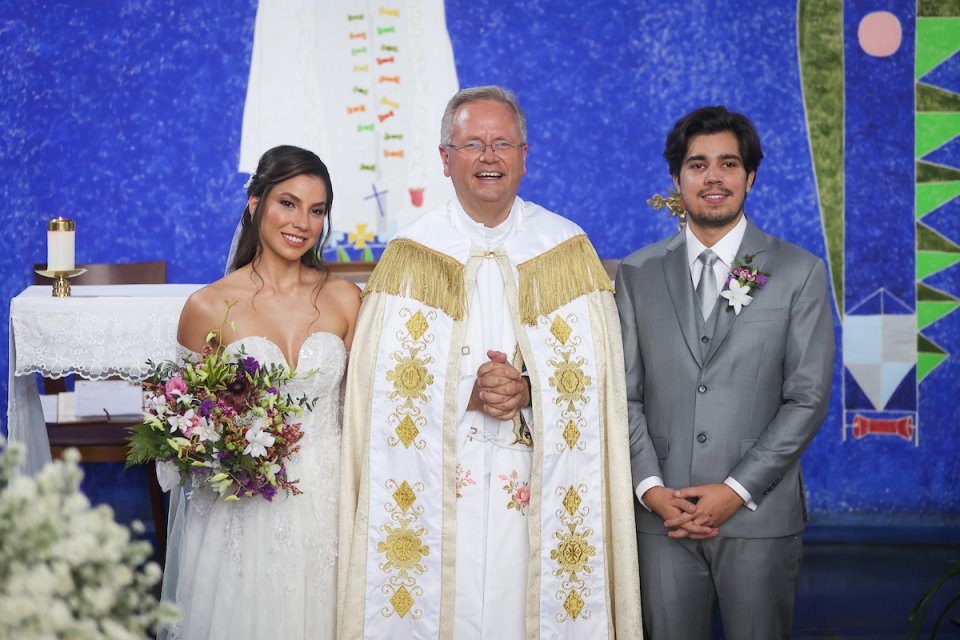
694 512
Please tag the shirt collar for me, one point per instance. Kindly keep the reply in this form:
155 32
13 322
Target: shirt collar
726 248
487 236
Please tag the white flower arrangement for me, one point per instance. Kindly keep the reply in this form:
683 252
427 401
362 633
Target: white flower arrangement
68 570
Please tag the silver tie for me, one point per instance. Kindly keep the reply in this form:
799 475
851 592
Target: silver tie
707 287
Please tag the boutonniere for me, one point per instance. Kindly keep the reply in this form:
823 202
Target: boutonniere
744 278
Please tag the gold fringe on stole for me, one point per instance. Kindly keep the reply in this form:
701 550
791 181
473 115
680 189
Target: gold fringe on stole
564 273
408 268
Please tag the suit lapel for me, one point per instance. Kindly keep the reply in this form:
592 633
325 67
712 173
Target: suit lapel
755 242
677 274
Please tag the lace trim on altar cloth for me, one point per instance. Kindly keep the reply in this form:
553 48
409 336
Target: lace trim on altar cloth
96 338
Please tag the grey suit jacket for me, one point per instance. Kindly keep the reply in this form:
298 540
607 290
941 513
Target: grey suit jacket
747 403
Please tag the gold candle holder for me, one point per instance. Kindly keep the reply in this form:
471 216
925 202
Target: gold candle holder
61 288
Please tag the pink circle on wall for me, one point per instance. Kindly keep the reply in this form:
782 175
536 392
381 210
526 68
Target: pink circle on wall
880 34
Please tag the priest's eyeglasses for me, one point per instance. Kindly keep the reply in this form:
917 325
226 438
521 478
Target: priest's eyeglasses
476 148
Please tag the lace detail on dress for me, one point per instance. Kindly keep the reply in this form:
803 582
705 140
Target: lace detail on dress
242 562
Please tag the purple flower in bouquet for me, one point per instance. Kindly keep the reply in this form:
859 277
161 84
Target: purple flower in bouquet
206 407
268 492
250 364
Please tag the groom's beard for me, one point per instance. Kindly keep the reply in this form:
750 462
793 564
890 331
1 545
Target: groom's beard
705 216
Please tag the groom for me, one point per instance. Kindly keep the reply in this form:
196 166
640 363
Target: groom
726 386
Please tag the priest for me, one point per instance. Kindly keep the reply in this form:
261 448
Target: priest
485 487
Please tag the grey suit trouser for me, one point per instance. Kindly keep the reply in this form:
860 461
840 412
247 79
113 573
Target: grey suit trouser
753 580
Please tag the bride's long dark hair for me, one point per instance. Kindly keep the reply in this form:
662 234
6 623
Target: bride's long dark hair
276 165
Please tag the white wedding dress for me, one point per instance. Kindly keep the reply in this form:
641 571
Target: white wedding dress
257 569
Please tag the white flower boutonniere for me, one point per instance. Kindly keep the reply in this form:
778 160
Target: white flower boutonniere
743 279
737 295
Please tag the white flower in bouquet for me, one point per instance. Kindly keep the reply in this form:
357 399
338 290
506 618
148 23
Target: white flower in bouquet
68 570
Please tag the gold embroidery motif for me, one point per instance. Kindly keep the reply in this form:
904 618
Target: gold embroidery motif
571 434
405 497
560 329
569 379
571 501
403 550
573 553
417 325
402 601
411 379
407 431
573 604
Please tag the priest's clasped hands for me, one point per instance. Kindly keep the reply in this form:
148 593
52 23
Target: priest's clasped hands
499 390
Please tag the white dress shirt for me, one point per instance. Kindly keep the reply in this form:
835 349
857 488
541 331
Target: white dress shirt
726 249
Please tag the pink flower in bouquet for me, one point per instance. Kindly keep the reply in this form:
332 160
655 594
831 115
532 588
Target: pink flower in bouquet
175 387
523 495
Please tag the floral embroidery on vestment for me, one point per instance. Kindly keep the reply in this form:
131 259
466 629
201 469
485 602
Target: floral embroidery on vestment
518 491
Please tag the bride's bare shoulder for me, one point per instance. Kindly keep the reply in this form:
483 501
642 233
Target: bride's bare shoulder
206 309
345 293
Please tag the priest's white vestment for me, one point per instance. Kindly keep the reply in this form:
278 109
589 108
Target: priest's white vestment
458 525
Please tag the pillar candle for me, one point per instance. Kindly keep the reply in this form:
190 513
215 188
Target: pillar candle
60 244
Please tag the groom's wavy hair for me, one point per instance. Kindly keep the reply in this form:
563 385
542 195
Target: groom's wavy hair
708 121
276 165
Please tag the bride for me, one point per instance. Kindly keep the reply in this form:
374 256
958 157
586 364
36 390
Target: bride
253 568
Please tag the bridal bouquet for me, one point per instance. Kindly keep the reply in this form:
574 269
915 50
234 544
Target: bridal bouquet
68 570
220 419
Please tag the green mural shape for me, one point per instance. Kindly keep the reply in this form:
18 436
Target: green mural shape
930 98
931 195
930 240
929 356
935 173
937 40
820 42
930 262
926 363
930 312
935 130
932 8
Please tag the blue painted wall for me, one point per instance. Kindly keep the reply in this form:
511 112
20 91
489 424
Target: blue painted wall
125 115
